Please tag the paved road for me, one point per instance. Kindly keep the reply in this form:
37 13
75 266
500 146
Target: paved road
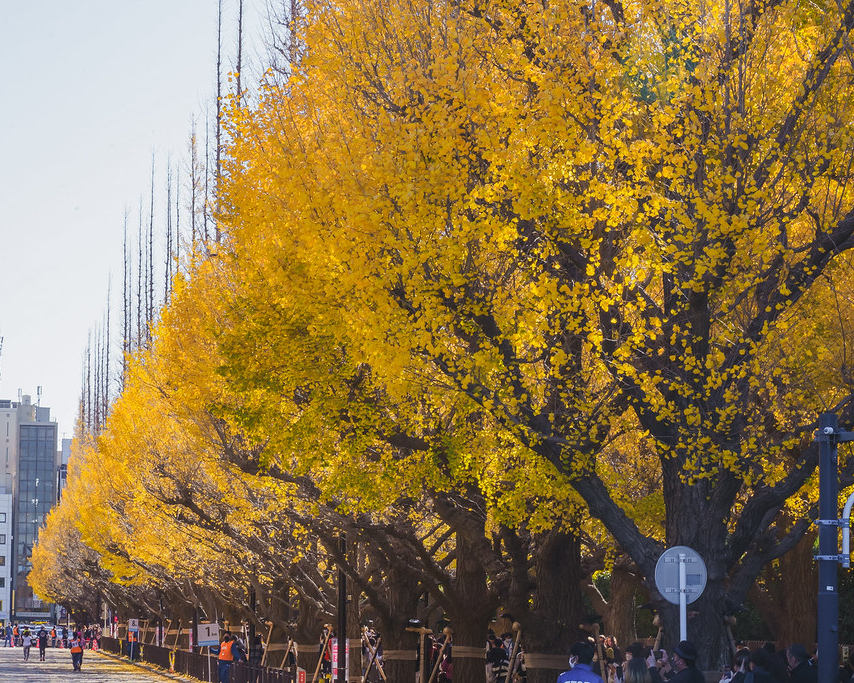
57 668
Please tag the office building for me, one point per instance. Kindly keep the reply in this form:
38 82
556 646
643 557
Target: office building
28 490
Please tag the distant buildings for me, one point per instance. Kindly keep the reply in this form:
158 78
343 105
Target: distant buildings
31 473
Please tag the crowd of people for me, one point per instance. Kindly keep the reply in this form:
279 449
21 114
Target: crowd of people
641 664
75 641
602 661
503 658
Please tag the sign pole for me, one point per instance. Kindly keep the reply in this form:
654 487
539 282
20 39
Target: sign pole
683 598
677 584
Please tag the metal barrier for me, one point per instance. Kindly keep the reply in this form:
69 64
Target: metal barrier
197 665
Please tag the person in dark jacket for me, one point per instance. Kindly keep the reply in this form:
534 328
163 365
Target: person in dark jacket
761 662
800 669
256 656
580 660
685 664
496 661
41 639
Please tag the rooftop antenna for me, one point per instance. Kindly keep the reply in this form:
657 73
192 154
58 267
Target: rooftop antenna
38 395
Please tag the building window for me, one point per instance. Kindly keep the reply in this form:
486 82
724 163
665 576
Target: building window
2 539
2 560
2 516
2 584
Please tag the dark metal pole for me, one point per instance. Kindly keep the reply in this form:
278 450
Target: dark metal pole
253 605
194 638
828 548
342 613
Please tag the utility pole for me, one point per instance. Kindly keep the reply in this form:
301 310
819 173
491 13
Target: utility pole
343 673
829 437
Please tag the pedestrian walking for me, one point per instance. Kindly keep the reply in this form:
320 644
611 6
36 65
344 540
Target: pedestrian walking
27 642
75 645
53 636
42 643
8 632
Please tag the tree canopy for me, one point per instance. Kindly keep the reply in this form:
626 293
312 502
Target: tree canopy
488 253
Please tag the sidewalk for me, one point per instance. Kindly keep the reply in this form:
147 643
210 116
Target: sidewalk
97 666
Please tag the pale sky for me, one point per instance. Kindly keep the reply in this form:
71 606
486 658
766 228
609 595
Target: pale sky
90 90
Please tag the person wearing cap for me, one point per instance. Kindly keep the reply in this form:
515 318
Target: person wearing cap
800 669
684 662
580 665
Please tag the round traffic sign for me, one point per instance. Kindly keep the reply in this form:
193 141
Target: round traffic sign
667 574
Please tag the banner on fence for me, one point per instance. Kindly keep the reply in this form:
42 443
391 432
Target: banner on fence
335 657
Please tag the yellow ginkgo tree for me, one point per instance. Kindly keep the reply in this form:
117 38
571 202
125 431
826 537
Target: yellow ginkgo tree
585 219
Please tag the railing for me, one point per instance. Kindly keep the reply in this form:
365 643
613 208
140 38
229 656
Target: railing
201 666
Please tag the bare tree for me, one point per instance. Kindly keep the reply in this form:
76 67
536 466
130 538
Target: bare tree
283 47
140 287
196 186
208 165
150 258
167 264
178 217
218 107
239 66
127 308
105 398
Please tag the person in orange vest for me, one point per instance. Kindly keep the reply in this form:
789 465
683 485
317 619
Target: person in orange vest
225 658
133 638
75 646
16 635
53 636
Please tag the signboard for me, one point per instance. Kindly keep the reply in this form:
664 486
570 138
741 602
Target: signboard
680 576
133 625
667 571
334 642
301 676
208 634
